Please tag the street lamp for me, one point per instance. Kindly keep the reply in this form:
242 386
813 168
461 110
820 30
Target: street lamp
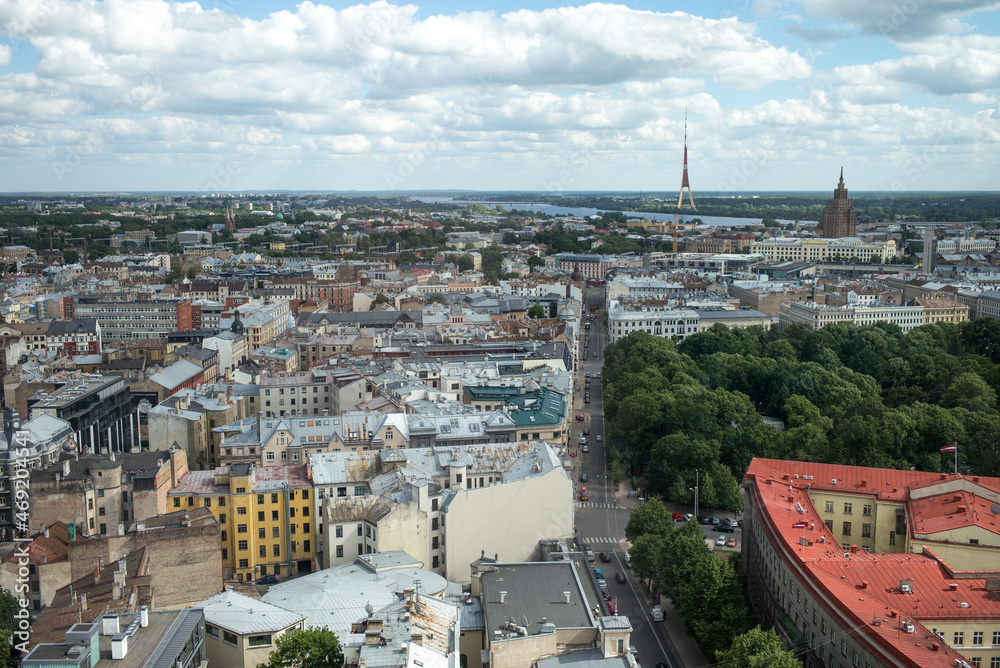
695 490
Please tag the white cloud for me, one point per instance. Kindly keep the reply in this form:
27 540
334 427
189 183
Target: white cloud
900 21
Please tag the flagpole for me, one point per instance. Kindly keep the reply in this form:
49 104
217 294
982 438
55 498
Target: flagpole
956 459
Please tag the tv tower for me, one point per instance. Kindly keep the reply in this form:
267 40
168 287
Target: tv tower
684 179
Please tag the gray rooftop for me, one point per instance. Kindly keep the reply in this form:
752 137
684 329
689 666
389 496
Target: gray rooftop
533 591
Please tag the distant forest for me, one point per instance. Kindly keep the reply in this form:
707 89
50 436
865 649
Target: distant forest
883 207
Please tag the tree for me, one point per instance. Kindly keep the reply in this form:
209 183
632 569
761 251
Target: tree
192 273
649 518
758 649
535 261
9 606
536 311
309 648
436 299
378 301
406 257
70 256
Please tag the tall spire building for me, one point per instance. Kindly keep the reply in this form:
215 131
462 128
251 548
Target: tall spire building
839 218
684 179
230 219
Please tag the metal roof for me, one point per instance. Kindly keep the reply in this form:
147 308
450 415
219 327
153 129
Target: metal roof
242 614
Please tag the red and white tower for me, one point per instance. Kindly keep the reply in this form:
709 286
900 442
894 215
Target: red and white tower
684 178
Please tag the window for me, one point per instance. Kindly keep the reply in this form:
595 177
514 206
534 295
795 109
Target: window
225 553
434 504
260 515
995 662
360 533
100 494
829 524
274 498
104 529
866 509
848 508
229 637
866 530
242 510
223 534
305 546
222 518
263 551
242 545
100 511
847 528
208 502
977 661
359 490
241 528
275 532
977 637
340 551
241 490
892 538
276 550
996 637
222 501
857 659
843 647
959 639
274 515
212 630
305 495
341 491
177 503
260 498
259 641
340 531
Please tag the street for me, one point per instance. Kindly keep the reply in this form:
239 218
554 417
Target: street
601 521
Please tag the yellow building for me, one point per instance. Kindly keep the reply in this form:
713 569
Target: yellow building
264 513
942 309
848 249
874 567
276 245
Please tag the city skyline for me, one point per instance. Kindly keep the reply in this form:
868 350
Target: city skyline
267 95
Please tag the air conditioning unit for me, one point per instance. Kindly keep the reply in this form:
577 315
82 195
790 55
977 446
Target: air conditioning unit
906 589
908 627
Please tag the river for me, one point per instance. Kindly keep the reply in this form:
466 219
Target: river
582 212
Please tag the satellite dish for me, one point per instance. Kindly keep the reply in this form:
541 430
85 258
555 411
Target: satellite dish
995 509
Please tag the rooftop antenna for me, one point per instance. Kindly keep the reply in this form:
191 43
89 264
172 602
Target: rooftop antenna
684 178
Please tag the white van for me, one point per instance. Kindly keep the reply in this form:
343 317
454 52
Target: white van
656 614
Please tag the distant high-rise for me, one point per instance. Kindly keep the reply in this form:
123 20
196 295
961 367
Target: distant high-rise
684 179
839 218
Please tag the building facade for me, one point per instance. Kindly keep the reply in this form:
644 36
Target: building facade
839 218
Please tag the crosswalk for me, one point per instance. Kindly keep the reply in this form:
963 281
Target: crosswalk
598 539
595 505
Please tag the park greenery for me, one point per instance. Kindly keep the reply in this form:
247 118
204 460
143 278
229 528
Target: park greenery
9 607
704 589
864 396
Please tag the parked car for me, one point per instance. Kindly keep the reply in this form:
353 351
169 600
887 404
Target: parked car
584 477
606 557
729 521
579 417
722 528
583 439
688 517
678 517
585 448
599 439
656 614
586 432
620 577
702 519
601 584
612 608
268 580
731 541
714 521
720 541
598 574
586 399
633 651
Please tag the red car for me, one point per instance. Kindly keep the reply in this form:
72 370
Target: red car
678 517
612 608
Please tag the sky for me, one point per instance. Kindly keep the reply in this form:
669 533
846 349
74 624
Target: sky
557 96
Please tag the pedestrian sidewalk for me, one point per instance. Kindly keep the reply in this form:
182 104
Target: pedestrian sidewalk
685 646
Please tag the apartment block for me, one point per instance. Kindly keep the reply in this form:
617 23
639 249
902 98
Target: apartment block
266 515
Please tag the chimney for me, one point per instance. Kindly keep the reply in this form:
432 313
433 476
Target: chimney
503 597
144 616
567 595
65 468
97 574
45 532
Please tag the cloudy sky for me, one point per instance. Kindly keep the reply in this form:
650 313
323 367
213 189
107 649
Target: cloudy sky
227 95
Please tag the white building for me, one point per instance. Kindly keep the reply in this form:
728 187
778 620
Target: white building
641 288
816 316
656 321
443 505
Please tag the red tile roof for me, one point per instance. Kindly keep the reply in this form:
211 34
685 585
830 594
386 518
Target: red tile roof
866 587
54 548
